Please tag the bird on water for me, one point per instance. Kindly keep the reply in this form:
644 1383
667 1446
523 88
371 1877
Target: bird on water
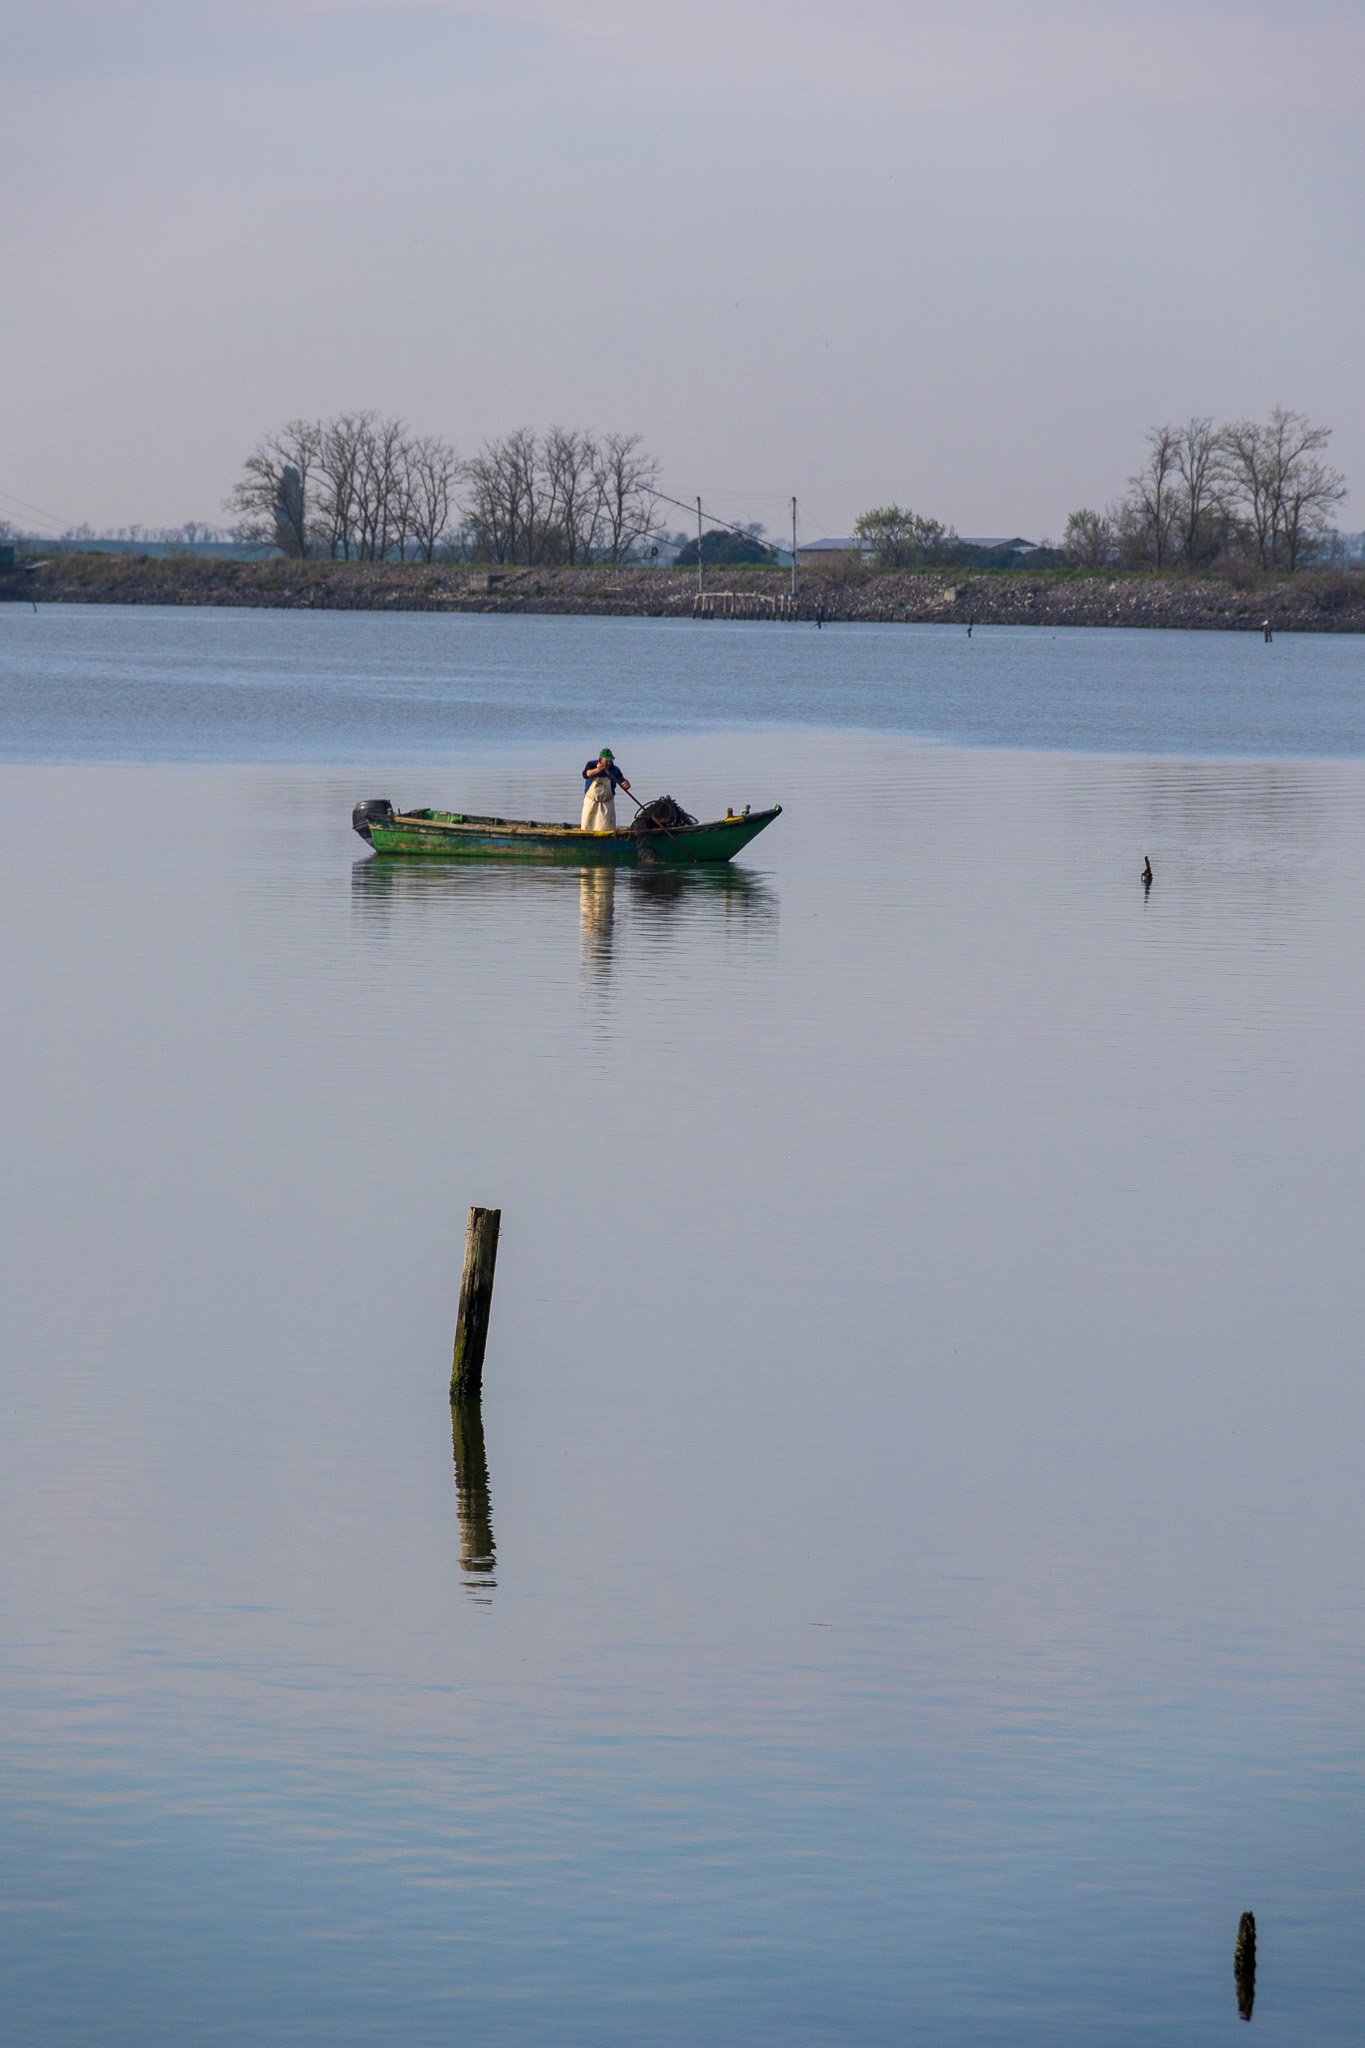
1146 872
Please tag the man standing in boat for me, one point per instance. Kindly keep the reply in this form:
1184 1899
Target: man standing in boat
601 780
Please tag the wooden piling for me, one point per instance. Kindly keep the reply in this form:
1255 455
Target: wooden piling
1244 1965
476 1301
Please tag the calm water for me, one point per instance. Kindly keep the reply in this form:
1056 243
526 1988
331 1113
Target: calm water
96 683
912 1586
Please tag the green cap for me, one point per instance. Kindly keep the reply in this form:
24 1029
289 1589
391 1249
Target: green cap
605 754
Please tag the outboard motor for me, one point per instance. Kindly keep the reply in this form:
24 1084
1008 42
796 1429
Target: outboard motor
374 810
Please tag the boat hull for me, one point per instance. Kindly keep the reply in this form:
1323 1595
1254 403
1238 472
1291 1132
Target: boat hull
455 835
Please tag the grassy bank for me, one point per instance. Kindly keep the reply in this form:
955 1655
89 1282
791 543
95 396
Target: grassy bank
1317 601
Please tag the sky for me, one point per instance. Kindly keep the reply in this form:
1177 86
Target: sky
955 253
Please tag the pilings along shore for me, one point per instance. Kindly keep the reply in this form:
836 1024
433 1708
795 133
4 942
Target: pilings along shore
1315 601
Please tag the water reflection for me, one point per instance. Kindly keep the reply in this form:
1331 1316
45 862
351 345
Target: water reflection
385 886
739 895
1069 1150
1262 802
478 1556
379 883
596 917
654 900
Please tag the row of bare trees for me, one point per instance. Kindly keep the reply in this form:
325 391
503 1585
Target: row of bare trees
1251 494
361 488
357 488
567 496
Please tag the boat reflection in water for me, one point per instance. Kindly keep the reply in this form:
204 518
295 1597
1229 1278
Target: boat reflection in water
478 1555
597 919
736 893
653 903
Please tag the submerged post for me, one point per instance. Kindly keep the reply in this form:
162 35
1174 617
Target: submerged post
476 1301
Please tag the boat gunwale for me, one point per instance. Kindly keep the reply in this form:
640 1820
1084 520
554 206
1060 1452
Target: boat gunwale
524 828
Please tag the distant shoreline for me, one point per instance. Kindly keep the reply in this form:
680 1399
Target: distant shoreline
1316 601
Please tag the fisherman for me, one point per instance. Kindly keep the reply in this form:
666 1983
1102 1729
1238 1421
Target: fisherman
601 780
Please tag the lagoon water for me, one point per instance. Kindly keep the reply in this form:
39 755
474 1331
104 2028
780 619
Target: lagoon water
912 1584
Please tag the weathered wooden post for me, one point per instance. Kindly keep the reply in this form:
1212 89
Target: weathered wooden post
476 1300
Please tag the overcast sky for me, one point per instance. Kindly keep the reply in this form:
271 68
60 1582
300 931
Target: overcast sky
954 252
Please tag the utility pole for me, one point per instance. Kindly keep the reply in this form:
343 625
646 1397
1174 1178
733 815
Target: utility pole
793 547
699 547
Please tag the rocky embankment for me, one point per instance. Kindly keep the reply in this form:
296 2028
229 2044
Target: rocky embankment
1316 602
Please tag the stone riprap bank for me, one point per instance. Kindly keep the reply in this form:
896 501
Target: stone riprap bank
1316 602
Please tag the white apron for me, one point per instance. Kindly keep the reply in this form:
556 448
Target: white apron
599 806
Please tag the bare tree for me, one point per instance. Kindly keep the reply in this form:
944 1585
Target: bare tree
486 514
431 473
627 479
336 499
1309 495
395 470
1282 490
531 493
381 519
1307 490
1199 467
1148 520
360 487
573 490
506 500
272 494
1247 471
492 503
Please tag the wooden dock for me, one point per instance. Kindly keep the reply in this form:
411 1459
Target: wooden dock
743 604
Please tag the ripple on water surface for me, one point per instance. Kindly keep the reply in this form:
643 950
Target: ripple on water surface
906 1581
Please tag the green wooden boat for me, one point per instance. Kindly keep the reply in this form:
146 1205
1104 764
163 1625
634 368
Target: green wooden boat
459 835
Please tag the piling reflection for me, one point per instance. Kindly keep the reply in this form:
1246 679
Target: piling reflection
478 1557
1244 1965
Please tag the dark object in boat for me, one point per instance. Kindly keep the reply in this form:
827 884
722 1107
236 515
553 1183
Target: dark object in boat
372 810
1244 1964
665 814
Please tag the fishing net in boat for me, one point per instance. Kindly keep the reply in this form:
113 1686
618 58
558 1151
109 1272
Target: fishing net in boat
663 815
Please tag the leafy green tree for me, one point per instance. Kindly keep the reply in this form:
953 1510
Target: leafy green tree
1089 538
901 539
722 546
